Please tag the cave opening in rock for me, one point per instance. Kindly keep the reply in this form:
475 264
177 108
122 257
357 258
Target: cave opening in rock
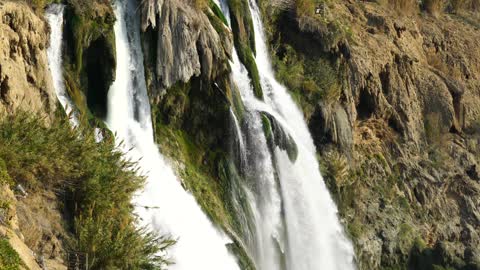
99 70
366 105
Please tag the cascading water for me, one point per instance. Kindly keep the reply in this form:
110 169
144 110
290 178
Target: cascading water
54 15
295 221
170 209
296 224
199 245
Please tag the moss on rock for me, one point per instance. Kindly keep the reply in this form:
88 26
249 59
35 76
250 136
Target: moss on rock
276 135
90 60
244 40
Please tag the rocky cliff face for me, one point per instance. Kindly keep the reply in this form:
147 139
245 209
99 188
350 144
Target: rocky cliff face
182 43
32 224
399 142
25 81
392 101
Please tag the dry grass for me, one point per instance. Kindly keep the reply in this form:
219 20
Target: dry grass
457 5
434 7
199 4
403 6
305 8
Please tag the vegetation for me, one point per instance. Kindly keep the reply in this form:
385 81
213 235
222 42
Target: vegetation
98 182
218 12
201 159
192 126
244 40
5 178
9 259
309 80
39 5
89 62
434 7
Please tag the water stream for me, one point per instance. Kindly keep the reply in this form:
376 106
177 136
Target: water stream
297 227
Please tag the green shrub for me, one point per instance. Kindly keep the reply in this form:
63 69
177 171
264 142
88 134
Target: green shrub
9 259
99 184
4 176
309 80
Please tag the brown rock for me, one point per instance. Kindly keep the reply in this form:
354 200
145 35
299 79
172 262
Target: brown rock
25 81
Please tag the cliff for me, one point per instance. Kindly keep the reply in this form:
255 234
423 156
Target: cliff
25 81
397 126
390 94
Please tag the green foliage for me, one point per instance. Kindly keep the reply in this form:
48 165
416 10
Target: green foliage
335 168
9 259
277 136
309 81
199 178
39 5
96 178
5 178
115 243
244 40
267 127
89 37
217 11
405 238
87 27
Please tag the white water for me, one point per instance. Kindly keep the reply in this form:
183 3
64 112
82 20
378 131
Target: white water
200 245
54 15
174 212
295 217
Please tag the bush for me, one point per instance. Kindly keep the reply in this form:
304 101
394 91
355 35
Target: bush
309 80
9 259
96 178
5 178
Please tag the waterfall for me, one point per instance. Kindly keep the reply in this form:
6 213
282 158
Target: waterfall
54 16
296 223
163 205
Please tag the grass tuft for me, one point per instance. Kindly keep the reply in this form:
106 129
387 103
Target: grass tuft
98 184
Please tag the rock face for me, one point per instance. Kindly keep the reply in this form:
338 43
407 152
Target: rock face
25 81
183 43
407 121
413 93
89 55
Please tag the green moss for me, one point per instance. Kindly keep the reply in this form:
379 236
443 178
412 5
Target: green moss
9 259
277 136
267 127
198 178
244 261
217 11
406 238
355 229
184 133
244 39
89 62
308 80
5 178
